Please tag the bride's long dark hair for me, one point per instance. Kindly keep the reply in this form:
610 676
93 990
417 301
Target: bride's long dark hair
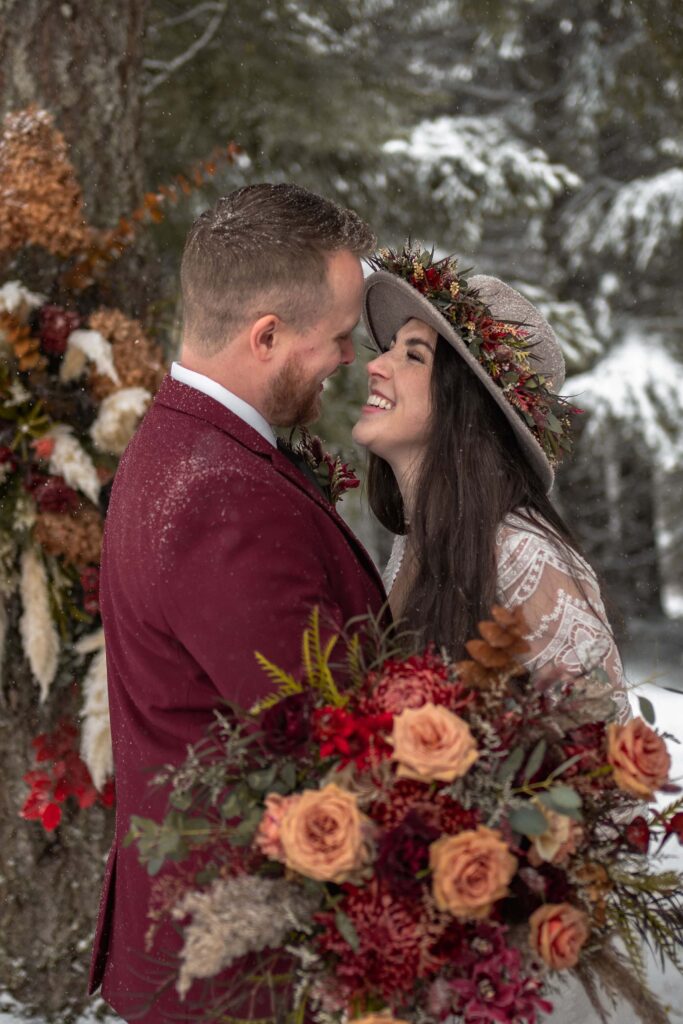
473 474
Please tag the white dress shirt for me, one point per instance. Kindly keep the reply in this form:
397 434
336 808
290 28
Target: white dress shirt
247 413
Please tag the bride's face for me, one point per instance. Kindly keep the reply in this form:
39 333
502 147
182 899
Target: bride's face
394 422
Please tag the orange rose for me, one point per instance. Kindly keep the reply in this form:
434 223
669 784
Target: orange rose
431 743
470 872
558 931
639 757
324 835
267 836
377 1018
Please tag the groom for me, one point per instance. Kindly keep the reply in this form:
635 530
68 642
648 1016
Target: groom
216 544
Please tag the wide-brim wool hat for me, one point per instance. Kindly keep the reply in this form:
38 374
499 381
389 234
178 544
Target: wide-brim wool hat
389 301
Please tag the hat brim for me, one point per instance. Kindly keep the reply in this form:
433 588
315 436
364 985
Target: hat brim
389 301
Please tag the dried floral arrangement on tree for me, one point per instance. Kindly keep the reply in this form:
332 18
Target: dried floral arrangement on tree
399 837
76 377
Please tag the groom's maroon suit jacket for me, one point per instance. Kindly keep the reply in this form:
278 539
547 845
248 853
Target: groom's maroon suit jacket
216 546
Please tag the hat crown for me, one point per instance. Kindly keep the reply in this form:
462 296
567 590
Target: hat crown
510 306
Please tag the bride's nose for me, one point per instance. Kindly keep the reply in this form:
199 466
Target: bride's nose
378 367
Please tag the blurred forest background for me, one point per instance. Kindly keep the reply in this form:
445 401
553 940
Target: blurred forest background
540 140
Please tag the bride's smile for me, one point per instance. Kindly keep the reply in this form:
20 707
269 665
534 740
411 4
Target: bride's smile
394 421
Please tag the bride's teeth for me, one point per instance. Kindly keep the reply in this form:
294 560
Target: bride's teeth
379 402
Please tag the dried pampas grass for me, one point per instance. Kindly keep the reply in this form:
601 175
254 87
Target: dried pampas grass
96 749
70 461
39 635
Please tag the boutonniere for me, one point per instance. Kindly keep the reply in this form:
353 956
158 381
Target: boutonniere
332 474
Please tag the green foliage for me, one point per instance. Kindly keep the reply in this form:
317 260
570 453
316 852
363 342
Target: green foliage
317 673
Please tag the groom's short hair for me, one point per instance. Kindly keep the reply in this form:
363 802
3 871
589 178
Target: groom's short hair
262 249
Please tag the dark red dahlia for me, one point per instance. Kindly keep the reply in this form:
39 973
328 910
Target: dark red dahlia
56 324
403 853
395 942
410 684
286 726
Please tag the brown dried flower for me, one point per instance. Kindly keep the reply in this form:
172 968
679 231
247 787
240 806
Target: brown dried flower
40 198
24 345
138 360
74 536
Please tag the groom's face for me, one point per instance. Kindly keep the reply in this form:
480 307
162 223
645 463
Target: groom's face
314 354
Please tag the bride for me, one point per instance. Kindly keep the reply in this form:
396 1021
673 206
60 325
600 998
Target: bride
464 427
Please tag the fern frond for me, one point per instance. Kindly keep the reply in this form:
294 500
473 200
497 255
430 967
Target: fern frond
286 684
316 661
354 661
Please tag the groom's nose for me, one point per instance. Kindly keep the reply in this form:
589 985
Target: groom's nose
348 352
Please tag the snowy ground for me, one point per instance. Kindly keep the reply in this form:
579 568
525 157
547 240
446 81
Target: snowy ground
669 985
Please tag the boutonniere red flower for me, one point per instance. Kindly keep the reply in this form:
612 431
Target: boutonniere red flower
334 476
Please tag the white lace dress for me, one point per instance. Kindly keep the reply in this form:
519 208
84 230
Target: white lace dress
562 603
568 628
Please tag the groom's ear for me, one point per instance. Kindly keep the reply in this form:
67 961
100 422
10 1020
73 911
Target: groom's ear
263 335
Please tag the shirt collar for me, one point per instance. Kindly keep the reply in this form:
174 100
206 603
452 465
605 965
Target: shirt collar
247 413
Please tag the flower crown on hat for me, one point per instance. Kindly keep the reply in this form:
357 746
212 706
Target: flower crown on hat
503 349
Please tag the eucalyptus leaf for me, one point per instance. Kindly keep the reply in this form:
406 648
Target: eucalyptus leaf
262 779
346 930
511 765
528 821
535 760
646 709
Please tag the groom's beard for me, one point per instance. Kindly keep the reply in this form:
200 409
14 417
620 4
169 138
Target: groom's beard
293 400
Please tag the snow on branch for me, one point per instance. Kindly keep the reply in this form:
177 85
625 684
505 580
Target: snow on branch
638 220
467 160
640 385
645 215
168 69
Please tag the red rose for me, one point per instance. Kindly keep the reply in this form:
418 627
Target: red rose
286 726
433 278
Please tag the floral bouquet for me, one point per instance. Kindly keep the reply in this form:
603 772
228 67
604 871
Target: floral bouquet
425 840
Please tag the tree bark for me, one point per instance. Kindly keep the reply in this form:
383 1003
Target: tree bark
82 62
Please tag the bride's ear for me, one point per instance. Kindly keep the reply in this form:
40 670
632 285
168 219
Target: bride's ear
263 337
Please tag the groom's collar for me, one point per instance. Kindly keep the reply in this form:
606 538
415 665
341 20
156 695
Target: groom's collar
208 386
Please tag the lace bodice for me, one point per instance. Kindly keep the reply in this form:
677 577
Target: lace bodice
562 603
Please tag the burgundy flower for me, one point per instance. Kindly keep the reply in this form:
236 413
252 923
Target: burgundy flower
7 457
495 989
286 726
56 324
403 853
675 826
90 584
52 493
638 834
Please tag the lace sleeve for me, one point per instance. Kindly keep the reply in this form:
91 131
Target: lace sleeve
567 623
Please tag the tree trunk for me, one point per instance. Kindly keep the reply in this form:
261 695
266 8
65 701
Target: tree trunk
82 62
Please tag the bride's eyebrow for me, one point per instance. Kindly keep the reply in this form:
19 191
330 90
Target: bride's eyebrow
419 341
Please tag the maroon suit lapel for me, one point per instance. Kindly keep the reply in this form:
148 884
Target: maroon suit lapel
175 395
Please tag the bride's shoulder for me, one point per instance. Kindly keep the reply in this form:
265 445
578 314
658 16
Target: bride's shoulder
526 539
